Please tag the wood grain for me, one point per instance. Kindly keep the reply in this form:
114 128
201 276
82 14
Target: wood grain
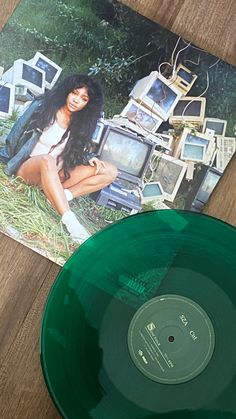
6 9
222 203
26 277
25 280
207 24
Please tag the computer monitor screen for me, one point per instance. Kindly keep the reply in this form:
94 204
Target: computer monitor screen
157 93
152 191
196 139
196 146
7 95
141 116
32 75
185 75
162 95
189 108
4 99
127 152
193 108
26 74
169 171
193 152
207 186
217 125
51 69
48 68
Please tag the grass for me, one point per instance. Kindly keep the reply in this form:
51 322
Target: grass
27 216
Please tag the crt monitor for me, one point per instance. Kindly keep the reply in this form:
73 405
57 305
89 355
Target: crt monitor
195 146
26 74
52 70
141 116
209 182
157 93
190 109
128 152
217 125
183 78
151 191
7 95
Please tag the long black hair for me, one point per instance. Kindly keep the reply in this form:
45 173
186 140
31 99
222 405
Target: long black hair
82 123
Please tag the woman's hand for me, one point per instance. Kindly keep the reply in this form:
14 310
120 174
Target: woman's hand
96 163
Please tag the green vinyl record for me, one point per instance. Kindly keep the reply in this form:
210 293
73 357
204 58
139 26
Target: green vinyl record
141 321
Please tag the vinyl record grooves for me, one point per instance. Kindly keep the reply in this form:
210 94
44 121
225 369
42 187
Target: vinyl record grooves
141 321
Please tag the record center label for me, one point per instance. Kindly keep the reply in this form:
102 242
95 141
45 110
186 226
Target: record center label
171 339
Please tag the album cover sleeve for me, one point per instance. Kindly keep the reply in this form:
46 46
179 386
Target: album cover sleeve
164 135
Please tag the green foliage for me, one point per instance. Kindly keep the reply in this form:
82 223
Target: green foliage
113 71
113 43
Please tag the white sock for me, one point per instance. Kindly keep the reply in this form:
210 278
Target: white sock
68 195
76 230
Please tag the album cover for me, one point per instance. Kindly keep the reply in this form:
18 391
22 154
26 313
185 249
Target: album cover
104 114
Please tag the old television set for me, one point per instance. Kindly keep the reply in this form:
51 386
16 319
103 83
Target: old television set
52 70
141 116
130 153
157 94
195 146
151 192
26 74
217 125
206 187
169 171
189 109
156 138
184 79
7 97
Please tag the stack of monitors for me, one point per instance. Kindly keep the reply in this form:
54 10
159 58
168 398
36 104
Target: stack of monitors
157 94
28 80
154 98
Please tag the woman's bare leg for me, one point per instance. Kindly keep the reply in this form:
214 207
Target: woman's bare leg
83 179
42 171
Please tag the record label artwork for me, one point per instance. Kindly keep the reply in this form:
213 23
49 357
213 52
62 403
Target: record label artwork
141 321
171 339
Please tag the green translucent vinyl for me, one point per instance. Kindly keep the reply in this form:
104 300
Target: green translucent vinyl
84 352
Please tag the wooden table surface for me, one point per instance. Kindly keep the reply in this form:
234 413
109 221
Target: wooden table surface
26 277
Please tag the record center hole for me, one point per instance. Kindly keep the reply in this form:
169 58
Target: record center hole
171 338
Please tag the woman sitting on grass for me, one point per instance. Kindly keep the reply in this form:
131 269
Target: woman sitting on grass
49 146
